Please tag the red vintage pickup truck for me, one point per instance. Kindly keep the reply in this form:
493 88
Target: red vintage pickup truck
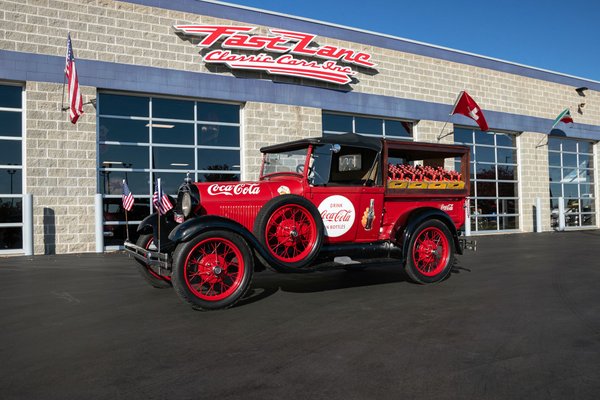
340 200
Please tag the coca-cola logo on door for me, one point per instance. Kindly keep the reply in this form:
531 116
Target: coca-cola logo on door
338 215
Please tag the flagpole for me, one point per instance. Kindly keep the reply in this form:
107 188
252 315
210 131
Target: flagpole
456 101
62 105
440 136
126 225
159 195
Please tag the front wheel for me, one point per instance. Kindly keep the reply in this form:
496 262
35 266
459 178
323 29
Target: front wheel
213 270
155 280
430 252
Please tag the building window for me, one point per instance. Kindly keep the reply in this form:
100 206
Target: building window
369 126
571 166
11 168
494 199
142 138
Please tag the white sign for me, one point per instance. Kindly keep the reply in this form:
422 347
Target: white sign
338 215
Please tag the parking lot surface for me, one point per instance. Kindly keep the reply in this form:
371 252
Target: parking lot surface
519 318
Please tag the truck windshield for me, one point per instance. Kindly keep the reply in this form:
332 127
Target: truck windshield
286 161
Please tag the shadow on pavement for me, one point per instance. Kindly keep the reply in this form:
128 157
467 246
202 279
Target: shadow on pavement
267 283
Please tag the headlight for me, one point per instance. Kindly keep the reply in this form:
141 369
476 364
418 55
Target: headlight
186 204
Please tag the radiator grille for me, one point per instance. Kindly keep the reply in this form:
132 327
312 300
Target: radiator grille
244 214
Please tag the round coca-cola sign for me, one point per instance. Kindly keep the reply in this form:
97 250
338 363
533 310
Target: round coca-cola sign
338 215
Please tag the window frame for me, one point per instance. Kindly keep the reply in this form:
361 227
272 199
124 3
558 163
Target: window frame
22 167
145 199
562 168
479 221
383 120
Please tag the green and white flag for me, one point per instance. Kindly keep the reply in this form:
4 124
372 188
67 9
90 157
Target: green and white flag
564 117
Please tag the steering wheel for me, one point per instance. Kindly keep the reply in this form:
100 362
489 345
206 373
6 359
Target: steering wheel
312 173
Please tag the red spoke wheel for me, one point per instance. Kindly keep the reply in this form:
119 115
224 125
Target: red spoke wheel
154 279
291 230
431 252
213 270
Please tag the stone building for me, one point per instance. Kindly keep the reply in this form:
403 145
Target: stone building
163 98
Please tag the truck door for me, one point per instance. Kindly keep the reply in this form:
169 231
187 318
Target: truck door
344 188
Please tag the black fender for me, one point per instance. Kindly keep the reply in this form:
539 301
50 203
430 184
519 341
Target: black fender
419 216
195 226
147 225
167 224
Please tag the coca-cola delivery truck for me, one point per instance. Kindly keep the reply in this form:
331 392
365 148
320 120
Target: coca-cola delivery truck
338 200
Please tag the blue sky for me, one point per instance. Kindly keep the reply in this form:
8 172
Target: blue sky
555 35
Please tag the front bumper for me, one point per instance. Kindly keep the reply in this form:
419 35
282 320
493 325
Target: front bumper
467 244
153 259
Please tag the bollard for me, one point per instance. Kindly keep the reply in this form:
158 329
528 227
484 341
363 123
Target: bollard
538 214
99 224
28 224
467 218
561 214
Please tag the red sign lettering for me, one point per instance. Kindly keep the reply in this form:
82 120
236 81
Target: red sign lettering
288 43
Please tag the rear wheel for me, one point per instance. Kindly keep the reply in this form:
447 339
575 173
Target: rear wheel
430 252
213 270
154 279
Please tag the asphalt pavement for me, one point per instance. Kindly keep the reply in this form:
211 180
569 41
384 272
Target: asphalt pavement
518 319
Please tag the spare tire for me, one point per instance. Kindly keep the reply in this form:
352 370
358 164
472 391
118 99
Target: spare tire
291 230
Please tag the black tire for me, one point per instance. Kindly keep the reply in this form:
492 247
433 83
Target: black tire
291 230
155 280
430 253
213 270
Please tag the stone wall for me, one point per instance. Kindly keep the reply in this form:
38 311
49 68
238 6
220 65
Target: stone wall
533 179
265 124
60 171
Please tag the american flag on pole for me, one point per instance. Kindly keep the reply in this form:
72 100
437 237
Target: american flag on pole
127 197
161 200
75 98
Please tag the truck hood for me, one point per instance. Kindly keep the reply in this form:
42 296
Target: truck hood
251 191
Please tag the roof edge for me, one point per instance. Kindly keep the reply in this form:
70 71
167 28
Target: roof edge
217 8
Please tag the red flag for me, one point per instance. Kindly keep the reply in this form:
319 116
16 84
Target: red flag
466 106
75 99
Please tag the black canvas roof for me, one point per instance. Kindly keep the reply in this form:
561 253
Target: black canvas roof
346 139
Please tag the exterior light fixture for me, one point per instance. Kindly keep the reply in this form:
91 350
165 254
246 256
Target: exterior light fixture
166 126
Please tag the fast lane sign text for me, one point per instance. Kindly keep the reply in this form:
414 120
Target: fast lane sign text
286 43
